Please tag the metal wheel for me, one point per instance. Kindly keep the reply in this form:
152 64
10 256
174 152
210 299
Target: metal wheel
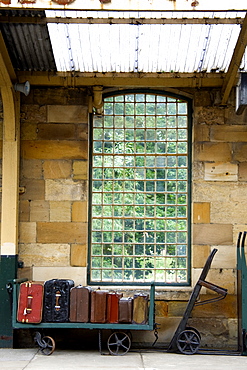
118 343
47 345
188 342
195 330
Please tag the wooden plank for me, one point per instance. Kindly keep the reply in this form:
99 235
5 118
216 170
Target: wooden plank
230 78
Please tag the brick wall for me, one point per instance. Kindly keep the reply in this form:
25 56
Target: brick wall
53 210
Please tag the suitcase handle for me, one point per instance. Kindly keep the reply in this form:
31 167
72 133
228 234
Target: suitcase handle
58 295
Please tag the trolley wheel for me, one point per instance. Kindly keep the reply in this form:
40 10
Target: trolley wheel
195 330
118 343
47 346
188 342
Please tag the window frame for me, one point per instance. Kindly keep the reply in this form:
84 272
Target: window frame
189 180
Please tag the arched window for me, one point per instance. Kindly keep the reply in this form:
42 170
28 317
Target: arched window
140 190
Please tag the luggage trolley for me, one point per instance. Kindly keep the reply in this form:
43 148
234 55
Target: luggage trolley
186 340
118 343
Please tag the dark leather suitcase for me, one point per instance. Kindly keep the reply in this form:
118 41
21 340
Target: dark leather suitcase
30 302
140 309
125 310
112 307
98 306
57 300
80 304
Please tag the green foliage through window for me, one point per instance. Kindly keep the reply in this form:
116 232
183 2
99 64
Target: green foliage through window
140 190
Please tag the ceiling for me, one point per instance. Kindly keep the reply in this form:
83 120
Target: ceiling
56 47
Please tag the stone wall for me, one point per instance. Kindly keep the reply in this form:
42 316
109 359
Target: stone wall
53 209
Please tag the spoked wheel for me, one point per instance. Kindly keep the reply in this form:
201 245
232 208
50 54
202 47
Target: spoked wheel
188 342
46 344
118 343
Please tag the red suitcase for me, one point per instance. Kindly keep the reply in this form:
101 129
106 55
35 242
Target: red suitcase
125 310
80 304
98 306
30 302
112 307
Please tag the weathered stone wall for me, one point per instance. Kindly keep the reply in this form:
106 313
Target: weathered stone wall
53 210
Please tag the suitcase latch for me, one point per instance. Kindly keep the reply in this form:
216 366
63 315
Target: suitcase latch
28 309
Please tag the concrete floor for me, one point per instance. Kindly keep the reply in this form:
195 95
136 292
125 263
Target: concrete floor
29 359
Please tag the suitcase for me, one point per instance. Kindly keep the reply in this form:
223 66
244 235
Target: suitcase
112 307
57 300
98 306
80 304
30 302
125 310
140 309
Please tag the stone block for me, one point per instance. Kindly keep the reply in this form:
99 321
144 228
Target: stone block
201 133
212 191
221 172
226 308
60 211
82 131
49 149
225 257
226 278
78 255
61 232
66 189
228 212
45 254
176 308
212 234
239 152
45 96
67 113
201 212
39 210
229 133
27 232
200 254
197 171
34 113
24 210
78 274
80 170
56 131
25 272
57 169
209 115
214 152
79 212
34 189
202 98
242 171
28 131
161 309
31 169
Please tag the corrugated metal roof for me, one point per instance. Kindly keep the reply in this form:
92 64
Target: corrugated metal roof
143 48
28 45
124 47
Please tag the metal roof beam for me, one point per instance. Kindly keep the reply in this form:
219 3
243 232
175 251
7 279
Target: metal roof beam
230 78
6 59
163 80
111 20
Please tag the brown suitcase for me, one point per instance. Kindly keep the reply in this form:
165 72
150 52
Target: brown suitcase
98 306
30 302
112 307
140 309
125 310
80 304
